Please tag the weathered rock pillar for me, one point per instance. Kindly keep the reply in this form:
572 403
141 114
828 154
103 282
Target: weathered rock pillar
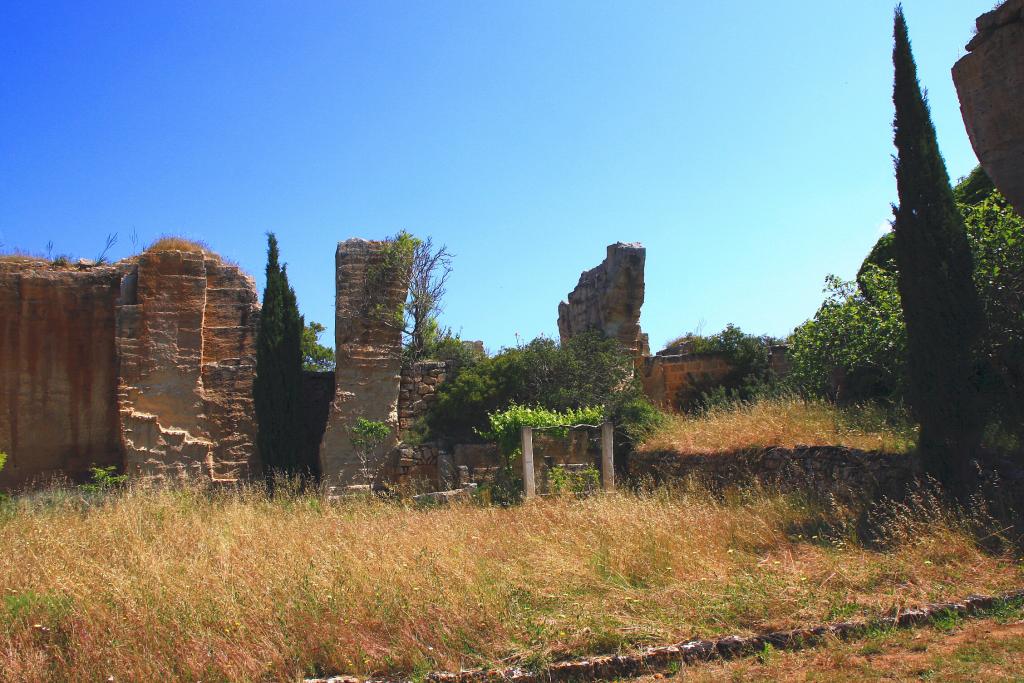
990 83
608 298
372 281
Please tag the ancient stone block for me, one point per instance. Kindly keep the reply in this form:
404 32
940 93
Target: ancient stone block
990 83
608 298
370 291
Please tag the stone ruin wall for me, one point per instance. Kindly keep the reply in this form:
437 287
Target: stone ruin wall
608 298
58 371
990 84
146 364
368 351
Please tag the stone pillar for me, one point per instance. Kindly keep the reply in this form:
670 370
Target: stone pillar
371 287
608 299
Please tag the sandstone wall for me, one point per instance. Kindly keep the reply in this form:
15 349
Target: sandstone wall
673 380
368 349
146 364
608 298
186 340
58 371
990 83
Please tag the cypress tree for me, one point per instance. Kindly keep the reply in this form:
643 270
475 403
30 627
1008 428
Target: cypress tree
278 384
940 304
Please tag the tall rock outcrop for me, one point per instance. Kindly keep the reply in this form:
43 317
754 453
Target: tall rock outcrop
990 83
58 371
186 340
146 364
608 298
371 287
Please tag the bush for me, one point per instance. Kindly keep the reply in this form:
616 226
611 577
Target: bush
588 370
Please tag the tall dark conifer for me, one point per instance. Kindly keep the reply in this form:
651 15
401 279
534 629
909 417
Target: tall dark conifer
940 304
278 385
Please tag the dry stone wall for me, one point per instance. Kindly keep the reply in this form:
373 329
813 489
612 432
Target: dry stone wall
147 364
608 298
846 472
368 350
990 83
418 390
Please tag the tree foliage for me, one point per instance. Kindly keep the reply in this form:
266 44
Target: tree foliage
588 370
315 356
941 308
277 389
431 267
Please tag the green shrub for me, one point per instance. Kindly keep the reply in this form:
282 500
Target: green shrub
366 437
580 483
104 479
588 370
749 357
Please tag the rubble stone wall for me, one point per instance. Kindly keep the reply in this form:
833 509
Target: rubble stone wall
418 390
58 372
368 350
847 472
990 84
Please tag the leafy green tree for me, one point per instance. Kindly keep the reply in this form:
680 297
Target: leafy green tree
315 356
941 308
367 436
588 370
855 347
277 389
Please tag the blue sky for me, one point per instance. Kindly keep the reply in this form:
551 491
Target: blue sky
747 145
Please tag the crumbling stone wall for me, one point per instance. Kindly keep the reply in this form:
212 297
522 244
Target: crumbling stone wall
608 298
418 390
146 364
368 349
990 83
58 371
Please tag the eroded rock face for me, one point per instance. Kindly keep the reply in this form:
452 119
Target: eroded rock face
368 350
608 298
58 371
147 364
186 340
990 83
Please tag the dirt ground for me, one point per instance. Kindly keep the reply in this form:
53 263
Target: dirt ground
982 650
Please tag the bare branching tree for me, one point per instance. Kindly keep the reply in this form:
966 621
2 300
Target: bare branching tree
431 267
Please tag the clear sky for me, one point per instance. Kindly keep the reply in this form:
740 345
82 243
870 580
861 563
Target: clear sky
746 144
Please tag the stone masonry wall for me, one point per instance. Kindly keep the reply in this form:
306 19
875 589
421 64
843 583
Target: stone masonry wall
990 83
368 349
847 472
418 390
58 371
608 298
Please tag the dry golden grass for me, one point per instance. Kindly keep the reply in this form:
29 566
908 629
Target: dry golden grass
784 422
186 585
175 243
